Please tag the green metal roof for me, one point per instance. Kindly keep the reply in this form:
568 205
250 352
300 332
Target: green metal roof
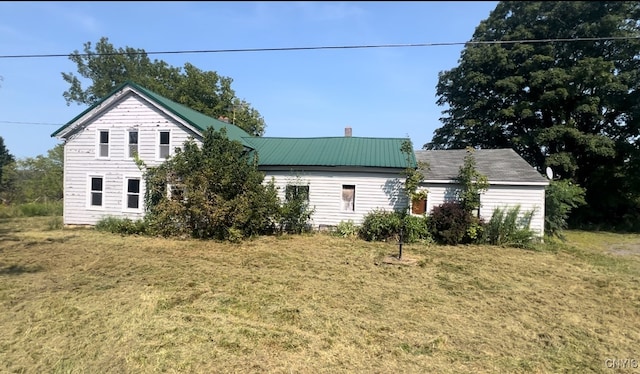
331 151
326 151
194 118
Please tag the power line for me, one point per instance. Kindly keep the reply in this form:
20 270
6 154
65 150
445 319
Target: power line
32 123
282 49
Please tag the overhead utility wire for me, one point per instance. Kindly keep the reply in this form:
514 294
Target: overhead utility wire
564 40
32 123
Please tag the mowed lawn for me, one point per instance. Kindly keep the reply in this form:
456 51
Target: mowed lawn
82 301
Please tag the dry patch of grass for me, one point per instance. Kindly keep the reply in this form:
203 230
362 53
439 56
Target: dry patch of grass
81 301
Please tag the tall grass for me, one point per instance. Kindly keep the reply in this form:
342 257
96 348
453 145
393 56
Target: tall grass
509 227
31 210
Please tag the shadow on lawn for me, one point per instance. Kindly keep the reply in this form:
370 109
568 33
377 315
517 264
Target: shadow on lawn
18 269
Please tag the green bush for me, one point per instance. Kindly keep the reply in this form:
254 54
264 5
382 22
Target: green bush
561 196
217 192
125 226
346 229
449 223
508 227
416 229
295 214
381 225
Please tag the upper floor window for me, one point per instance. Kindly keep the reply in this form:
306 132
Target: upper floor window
103 143
133 143
164 144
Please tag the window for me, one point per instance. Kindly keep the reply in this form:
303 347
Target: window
133 143
348 198
103 146
133 193
96 191
418 206
164 144
293 192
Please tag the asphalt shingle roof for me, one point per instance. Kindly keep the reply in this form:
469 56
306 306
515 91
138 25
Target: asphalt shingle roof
499 165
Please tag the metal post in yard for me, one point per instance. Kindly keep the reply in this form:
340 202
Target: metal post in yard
400 244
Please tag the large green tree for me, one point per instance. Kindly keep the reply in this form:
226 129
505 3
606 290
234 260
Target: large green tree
6 159
558 82
205 91
40 178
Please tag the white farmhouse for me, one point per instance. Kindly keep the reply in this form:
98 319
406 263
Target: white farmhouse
344 177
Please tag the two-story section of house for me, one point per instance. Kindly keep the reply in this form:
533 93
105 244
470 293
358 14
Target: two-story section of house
101 144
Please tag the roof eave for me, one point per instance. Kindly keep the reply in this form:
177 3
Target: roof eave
491 182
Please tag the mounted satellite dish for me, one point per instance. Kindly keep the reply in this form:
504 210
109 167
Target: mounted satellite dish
549 173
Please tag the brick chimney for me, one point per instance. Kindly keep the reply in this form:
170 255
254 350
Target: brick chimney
347 132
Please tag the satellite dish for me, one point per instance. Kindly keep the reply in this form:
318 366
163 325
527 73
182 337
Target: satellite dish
549 173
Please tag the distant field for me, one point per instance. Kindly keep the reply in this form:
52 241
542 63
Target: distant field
81 301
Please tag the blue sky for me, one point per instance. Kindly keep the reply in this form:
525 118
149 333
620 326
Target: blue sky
378 92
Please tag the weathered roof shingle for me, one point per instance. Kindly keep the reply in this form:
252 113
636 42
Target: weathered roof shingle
499 165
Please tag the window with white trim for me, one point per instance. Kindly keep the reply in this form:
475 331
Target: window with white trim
133 193
348 197
96 191
133 143
164 141
103 143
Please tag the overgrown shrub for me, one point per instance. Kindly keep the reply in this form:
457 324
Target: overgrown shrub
561 196
415 229
449 223
382 225
295 214
509 227
218 192
125 226
346 229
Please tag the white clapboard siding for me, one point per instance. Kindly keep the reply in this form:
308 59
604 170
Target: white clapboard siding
497 196
131 112
506 196
372 191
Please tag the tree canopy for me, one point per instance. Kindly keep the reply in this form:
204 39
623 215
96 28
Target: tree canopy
6 158
561 87
106 67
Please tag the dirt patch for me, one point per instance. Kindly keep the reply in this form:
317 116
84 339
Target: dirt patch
627 249
405 260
